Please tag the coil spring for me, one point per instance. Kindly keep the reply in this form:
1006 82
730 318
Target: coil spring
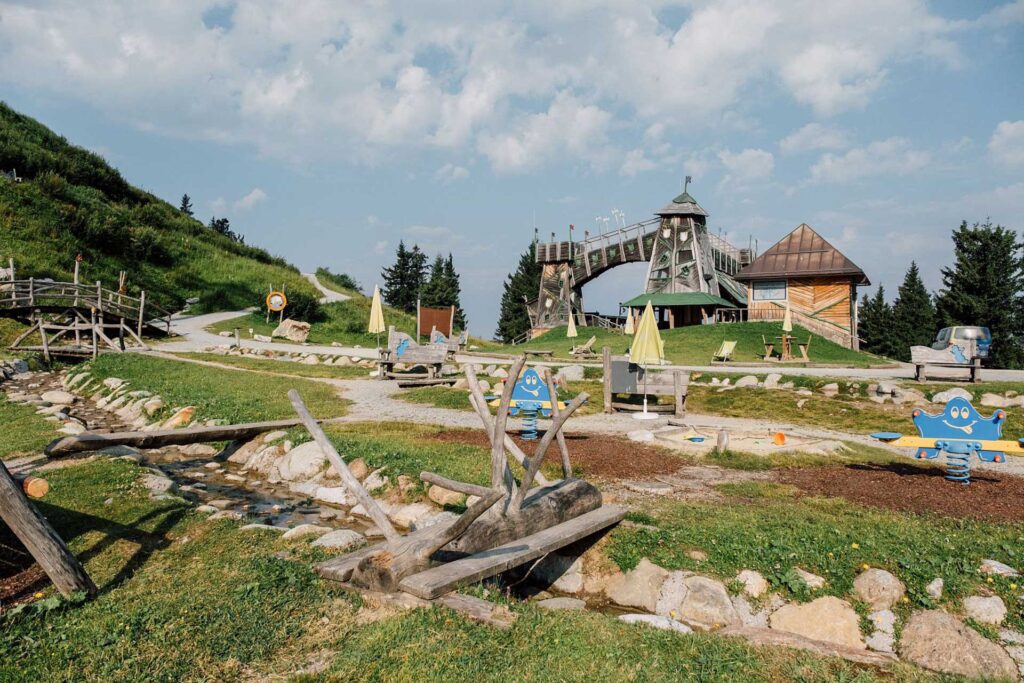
529 431
958 467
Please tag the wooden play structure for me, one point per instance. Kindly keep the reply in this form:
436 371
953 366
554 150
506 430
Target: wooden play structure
402 348
817 280
511 522
623 377
76 320
961 356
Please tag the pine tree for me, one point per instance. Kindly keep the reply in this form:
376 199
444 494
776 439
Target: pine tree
913 315
442 289
874 324
521 286
455 293
404 280
186 205
985 286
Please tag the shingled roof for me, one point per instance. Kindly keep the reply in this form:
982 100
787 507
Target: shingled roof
683 205
801 253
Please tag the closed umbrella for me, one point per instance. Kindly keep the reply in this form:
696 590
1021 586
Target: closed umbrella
628 329
571 333
376 315
647 349
787 319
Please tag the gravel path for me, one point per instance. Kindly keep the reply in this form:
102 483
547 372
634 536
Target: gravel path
329 296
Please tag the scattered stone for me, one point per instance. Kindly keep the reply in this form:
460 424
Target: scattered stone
407 515
261 527
883 637
358 469
276 435
335 495
304 530
445 497
994 401
754 584
562 604
997 568
641 435
234 477
656 488
939 641
500 373
830 389
151 406
746 382
157 483
949 394
340 539
827 618
71 428
262 338
56 397
206 509
813 581
113 383
375 480
571 373
697 555
985 610
639 587
563 573
878 588
181 418
221 503
934 589
696 600
663 623
311 359
885 389
303 462
771 380
227 514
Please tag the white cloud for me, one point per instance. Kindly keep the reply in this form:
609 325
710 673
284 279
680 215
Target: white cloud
380 247
812 137
449 173
218 206
1007 143
749 165
893 156
636 162
255 196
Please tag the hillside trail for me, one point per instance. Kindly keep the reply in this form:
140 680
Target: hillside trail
329 296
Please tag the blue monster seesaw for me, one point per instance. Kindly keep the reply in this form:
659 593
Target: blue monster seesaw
530 399
959 431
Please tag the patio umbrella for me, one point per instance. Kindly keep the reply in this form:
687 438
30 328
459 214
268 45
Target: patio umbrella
787 319
628 329
571 332
647 349
376 315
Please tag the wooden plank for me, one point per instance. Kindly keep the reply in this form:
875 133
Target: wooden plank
606 357
447 577
91 441
634 407
473 608
341 568
423 382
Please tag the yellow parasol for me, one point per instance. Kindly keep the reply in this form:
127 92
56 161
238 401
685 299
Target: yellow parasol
647 349
787 319
571 332
628 329
376 315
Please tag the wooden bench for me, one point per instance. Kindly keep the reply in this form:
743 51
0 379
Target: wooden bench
972 369
962 357
403 349
539 354
624 377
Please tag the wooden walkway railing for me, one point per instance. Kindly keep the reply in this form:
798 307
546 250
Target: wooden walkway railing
32 294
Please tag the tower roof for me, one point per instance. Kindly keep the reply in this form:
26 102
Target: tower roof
683 205
801 253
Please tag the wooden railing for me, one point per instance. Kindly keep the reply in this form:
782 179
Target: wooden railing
819 327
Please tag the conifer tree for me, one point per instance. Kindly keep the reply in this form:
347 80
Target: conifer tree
455 293
913 315
404 280
874 324
985 286
521 286
442 289
186 205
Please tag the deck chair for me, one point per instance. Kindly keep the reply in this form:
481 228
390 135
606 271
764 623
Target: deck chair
585 350
724 352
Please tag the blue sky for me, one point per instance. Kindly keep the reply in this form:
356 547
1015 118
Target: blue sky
328 131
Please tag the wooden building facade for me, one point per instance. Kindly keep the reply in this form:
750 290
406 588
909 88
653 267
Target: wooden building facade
817 280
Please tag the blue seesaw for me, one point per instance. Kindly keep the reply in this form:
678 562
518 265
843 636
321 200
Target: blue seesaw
959 431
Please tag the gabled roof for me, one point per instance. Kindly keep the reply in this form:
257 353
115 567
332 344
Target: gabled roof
801 253
683 205
678 299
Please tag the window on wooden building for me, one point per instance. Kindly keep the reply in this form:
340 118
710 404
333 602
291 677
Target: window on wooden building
769 290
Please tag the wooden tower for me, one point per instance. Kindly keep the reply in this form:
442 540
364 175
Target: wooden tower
682 259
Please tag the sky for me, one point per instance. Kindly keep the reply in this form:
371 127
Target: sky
328 131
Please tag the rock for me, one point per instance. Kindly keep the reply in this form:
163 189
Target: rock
771 380
225 333
63 398
302 462
71 428
461 383
406 515
246 451
335 495
292 330
304 488
883 635
654 621
830 389
885 389
934 589
443 517
375 480
261 527
444 497
221 503
639 587
157 483
696 600
571 373
500 373
563 573
656 488
803 391
985 610
746 382
151 406
310 360
997 568
304 530
489 370
340 539
878 588
113 383
227 514
358 469
747 615
262 338
206 509
813 581
406 484
828 619
939 641
562 604
640 436
949 394
697 555
990 400
181 418
754 584
276 435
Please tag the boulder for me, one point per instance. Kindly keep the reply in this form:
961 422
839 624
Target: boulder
151 406
639 587
883 634
375 480
302 462
444 497
407 515
696 600
985 610
754 584
934 588
292 330
997 568
878 588
663 623
71 428
564 573
335 495
746 382
357 467
828 619
939 641
771 380
949 394
886 389
304 530
500 373
61 398
640 436
989 400
180 418
830 389
571 373
340 539
157 483
311 359
813 581
562 604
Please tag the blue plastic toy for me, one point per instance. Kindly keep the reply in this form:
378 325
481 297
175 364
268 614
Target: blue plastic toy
959 431
530 400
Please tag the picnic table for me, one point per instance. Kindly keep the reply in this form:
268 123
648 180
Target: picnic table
537 352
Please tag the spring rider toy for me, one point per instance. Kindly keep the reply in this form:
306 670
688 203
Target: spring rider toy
530 400
959 431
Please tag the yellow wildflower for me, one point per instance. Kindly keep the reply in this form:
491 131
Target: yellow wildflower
855 545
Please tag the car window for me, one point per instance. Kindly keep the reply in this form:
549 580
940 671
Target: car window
971 333
943 335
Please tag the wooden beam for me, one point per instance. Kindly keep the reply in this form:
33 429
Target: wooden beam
452 485
557 422
445 578
606 355
562 446
48 548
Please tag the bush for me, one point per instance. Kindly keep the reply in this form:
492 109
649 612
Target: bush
303 306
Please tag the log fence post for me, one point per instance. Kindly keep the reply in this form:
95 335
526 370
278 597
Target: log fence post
606 354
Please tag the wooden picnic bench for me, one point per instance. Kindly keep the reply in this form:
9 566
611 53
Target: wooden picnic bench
539 353
965 358
403 349
623 377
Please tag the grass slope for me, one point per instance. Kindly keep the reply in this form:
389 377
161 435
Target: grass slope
72 202
694 345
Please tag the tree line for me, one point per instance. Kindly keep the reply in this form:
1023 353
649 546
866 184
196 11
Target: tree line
984 286
410 279
221 225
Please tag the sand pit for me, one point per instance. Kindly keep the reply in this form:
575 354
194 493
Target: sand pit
699 442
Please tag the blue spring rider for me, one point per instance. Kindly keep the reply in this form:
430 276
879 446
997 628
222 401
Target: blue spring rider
959 431
530 400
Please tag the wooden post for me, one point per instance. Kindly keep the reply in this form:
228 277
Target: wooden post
142 308
680 388
238 339
722 444
95 341
607 358
42 335
31 292
48 549
99 295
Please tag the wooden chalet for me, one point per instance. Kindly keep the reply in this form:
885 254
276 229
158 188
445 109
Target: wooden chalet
817 280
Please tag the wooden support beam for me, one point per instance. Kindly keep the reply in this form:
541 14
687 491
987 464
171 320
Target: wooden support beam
606 357
452 485
562 446
557 422
48 548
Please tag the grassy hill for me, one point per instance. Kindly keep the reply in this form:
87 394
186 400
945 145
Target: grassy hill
71 201
695 345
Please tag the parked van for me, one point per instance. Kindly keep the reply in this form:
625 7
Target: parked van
965 337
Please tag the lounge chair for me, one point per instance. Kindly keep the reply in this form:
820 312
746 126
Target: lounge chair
586 350
724 352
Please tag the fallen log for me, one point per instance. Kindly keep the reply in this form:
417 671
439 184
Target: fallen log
34 487
93 441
